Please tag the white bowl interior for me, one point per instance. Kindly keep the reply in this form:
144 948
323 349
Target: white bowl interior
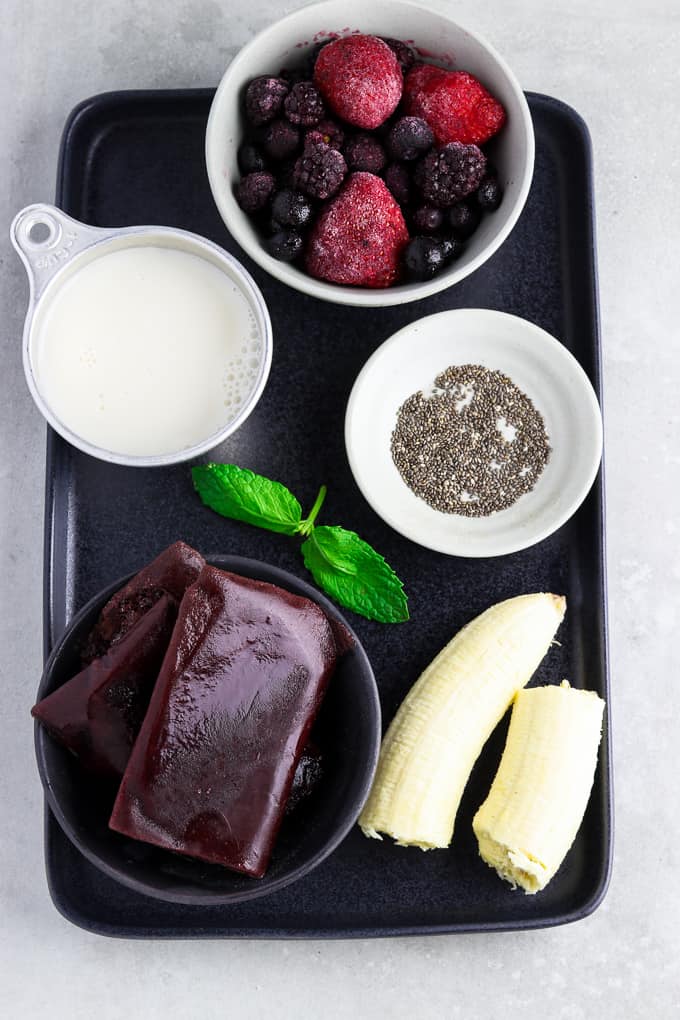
537 363
285 43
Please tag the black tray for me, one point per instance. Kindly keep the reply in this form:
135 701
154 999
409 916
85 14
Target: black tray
137 157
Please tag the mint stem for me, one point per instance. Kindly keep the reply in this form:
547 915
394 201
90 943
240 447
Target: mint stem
307 526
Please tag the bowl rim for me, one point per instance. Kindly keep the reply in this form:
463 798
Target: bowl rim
282 578
235 220
545 342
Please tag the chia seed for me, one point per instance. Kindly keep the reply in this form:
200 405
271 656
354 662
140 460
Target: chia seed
472 447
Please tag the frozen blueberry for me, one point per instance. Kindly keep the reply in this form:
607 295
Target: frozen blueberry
254 191
489 194
303 105
427 219
409 138
364 152
464 219
250 158
291 208
280 139
264 98
285 245
424 257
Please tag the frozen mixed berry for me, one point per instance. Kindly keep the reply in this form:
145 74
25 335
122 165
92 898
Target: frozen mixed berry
360 79
303 105
359 236
409 137
310 61
456 106
448 174
320 170
254 191
250 158
427 219
464 219
329 131
398 181
291 208
280 140
489 194
406 57
424 257
264 99
285 244
364 152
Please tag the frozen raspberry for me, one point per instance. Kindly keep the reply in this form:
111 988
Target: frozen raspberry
285 245
360 79
364 152
398 181
250 158
409 138
291 208
427 219
280 139
304 105
359 236
456 106
404 54
489 194
254 191
464 219
320 170
328 131
448 174
264 98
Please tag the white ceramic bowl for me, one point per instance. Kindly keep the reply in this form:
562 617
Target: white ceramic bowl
284 44
538 364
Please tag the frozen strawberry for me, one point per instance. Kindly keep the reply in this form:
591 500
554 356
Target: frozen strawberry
456 106
360 79
359 236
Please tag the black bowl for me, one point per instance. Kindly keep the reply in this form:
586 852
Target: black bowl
347 730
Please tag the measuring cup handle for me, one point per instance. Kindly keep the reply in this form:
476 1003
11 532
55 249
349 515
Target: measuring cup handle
46 238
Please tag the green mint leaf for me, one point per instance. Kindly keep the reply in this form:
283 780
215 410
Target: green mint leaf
236 492
354 574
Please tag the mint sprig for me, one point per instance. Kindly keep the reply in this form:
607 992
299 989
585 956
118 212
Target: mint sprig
341 563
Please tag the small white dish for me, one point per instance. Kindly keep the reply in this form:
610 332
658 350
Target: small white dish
538 364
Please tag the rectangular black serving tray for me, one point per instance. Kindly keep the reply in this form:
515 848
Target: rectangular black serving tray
137 157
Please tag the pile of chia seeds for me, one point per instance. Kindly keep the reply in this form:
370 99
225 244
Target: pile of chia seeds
472 447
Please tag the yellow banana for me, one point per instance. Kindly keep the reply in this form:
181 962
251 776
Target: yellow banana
441 726
528 822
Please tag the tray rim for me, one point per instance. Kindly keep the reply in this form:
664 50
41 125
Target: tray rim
80 113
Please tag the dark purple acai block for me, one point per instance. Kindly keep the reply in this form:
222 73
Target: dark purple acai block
97 714
170 574
231 712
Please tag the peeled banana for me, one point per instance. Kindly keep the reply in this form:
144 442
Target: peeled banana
441 726
539 796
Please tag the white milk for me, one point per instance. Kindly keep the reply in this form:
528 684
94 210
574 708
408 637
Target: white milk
147 350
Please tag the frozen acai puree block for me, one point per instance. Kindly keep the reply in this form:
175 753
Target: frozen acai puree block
97 714
170 574
239 689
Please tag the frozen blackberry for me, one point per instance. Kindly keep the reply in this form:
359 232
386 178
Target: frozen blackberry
280 139
254 191
398 181
303 105
264 99
464 219
448 174
328 131
291 208
424 257
285 245
489 194
409 138
404 54
320 170
250 158
364 152
427 219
